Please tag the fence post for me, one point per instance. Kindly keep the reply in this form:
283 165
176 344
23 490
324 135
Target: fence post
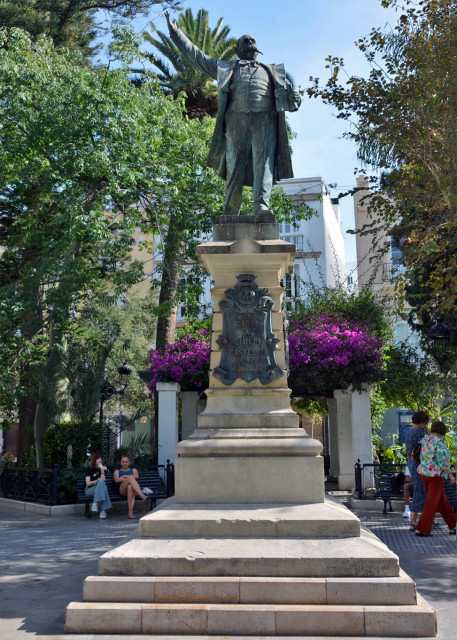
170 478
358 479
55 482
6 480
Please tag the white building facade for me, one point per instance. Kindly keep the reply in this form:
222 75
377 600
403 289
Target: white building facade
319 241
320 256
378 269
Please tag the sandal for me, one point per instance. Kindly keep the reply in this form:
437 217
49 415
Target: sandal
452 532
132 517
423 535
412 527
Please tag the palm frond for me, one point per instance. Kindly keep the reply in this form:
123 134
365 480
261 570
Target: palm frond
179 75
139 444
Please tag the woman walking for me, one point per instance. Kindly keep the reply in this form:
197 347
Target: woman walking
433 469
413 436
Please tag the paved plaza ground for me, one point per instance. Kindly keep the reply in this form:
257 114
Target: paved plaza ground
44 561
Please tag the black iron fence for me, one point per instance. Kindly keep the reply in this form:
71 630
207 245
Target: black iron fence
369 475
387 479
58 486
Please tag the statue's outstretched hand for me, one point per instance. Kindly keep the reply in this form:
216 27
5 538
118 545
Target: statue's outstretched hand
172 26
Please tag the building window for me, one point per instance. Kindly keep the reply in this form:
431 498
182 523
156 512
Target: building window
296 240
291 284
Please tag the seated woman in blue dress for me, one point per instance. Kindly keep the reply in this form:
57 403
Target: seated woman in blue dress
95 485
127 479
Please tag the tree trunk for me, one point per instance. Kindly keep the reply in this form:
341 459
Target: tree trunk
53 395
31 324
26 415
166 327
173 260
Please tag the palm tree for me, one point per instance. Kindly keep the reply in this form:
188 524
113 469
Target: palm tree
176 74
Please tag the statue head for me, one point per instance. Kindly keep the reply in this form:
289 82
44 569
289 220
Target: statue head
246 48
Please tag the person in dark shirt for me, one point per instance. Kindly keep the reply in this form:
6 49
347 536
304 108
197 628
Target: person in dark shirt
96 486
413 436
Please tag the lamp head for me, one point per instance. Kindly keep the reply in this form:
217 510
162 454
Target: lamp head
124 370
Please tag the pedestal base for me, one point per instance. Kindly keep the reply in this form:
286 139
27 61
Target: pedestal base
256 479
198 573
254 520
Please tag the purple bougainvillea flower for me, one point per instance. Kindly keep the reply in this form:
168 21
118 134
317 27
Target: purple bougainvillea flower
185 361
325 353
330 352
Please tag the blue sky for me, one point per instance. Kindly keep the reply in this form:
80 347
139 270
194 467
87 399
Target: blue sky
300 34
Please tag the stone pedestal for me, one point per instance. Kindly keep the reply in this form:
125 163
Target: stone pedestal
248 447
189 403
249 546
260 571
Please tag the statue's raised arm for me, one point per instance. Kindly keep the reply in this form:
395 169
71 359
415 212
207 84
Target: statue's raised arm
197 58
250 144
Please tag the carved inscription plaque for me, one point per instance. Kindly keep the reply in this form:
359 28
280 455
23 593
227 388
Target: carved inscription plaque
247 343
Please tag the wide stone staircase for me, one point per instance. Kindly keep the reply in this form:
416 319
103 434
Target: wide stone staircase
256 571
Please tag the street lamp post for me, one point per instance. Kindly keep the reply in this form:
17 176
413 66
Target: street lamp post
443 337
107 391
147 376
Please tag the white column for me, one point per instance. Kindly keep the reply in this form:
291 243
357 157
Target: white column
189 400
333 437
168 420
350 435
361 430
344 439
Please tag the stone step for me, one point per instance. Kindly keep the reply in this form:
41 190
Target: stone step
262 520
148 636
248 590
235 619
364 556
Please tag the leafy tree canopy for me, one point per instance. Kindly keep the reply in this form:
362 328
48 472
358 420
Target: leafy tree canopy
403 119
81 150
72 23
364 307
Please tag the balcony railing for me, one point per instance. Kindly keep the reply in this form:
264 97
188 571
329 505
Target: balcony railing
391 270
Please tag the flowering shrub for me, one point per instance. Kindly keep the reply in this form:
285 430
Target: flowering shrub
327 352
185 361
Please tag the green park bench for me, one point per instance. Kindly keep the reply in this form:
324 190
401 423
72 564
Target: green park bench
148 478
387 489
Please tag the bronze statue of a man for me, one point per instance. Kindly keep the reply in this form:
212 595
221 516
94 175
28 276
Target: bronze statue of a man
250 144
